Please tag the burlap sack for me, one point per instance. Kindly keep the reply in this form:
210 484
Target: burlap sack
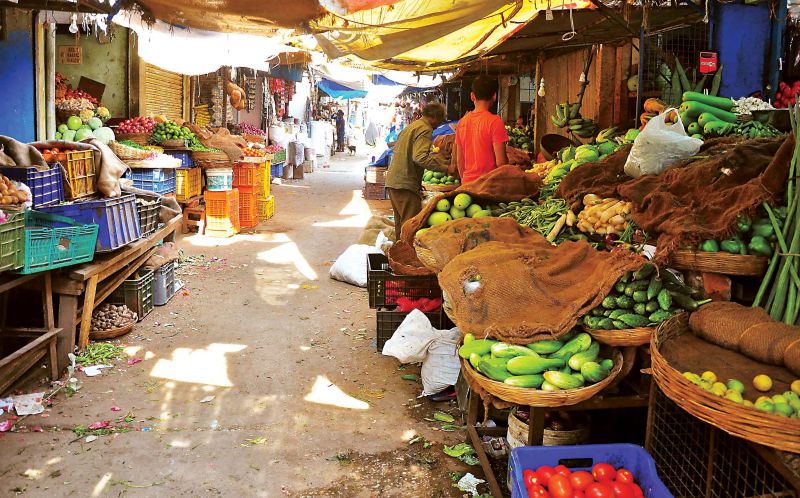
791 358
767 342
723 322
515 293
439 245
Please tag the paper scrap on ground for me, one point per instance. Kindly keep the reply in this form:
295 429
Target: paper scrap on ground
28 404
469 484
207 399
94 370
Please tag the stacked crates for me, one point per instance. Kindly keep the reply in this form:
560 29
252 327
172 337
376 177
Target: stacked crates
255 202
188 183
222 213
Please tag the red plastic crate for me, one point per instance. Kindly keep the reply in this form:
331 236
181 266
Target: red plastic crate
222 212
248 206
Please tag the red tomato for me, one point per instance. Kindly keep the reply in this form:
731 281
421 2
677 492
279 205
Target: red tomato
581 480
578 494
624 475
637 491
563 470
545 473
622 490
603 472
529 477
599 490
537 491
559 486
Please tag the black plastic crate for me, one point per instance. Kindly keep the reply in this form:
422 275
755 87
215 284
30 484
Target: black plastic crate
148 208
384 287
136 293
388 320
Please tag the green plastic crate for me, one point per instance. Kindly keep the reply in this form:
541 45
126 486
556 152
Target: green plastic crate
12 241
136 292
53 241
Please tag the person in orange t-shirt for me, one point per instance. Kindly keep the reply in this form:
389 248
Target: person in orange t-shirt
480 136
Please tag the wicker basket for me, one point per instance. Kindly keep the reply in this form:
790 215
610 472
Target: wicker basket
126 152
139 138
518 432
254 160
254 138
719 262
209 156
537 397
431 187
173 143
99 335
622 337
753 425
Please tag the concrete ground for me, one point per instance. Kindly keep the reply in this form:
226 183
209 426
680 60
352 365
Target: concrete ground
260 378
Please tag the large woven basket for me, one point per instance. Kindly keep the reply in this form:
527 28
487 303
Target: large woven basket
747 423
97 335
126 152
254 138
537 397
209 156
623 337
431 187
719 262
139 138
173 143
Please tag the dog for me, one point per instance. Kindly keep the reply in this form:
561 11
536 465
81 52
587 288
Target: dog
352 149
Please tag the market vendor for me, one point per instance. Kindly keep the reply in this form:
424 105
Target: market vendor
480 136
413 154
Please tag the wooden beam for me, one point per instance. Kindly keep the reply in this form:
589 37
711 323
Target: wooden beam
612 16
67 313
8 282
86 312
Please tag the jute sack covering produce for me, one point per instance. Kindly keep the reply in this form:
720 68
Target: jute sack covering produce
108 167
518 157
440 244
750 331
695 200
515 293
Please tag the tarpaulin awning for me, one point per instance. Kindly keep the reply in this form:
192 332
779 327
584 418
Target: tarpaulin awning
338 91
288 73
379 79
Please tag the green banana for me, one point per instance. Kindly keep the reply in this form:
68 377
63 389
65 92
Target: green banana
574 110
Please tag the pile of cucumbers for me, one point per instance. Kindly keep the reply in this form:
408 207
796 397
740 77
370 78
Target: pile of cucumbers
550 365
643 298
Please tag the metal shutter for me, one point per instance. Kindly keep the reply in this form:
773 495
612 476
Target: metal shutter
164 92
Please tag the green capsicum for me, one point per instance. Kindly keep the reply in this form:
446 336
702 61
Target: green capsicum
733 245
760 246
709 246
743 223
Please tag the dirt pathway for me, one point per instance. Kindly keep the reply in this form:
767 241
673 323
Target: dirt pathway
302 404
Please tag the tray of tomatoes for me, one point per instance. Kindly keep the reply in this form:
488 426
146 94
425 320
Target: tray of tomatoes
585 471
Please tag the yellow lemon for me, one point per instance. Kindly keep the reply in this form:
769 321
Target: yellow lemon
762 382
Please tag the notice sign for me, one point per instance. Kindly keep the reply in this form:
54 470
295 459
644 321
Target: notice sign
69 54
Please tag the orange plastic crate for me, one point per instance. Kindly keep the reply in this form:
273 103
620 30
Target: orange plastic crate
248 174
222 212
81 178
188 183
248 212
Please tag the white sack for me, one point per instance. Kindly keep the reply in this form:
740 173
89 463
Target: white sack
411 340
440 369
351 266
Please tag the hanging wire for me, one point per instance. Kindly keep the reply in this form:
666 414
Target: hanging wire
570 34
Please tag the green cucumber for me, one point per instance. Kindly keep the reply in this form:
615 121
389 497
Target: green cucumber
562 380
651 306
640 296
616 313
494 368
579 359
686 302
634 321
664 299
659 316
653 288
529 381
503 350
695 109
580 342
608 364
639 309
644 272
474 360
593 372
620 287
625 302
529 365
546 347
609 303
468 338
546 386
479 346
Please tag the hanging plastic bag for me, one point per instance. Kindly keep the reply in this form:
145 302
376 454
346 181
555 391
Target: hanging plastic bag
411 340
441 367
660 146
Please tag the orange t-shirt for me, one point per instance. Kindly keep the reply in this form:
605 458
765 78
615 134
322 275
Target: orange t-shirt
476 133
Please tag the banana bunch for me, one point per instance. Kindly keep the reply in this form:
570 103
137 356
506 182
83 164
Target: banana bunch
607 135
565 112
584 128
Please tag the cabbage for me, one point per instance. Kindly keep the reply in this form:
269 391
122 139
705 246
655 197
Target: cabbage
62 128
58 135
104 134
68 135
95 123
586 154
83 134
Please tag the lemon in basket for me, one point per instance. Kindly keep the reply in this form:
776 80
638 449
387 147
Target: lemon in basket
762 382
796 387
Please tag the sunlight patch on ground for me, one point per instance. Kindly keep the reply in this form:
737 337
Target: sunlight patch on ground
131 350
206 241
199 366
54 460
357 211
289 254
324 392
408 435
101 484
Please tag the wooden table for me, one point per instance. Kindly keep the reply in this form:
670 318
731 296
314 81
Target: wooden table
81 288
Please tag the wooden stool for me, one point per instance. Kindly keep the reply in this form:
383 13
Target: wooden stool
194 216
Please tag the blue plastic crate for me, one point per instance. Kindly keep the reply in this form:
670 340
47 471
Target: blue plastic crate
117 217
276 170
158 180
583 457
46 186
184 155
55 241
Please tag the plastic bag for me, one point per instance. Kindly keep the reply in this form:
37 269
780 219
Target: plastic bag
659 146
351 266
411 340
441 367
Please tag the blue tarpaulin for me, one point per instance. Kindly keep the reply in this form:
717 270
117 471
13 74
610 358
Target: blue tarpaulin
379 79
336 90
288 73
444 129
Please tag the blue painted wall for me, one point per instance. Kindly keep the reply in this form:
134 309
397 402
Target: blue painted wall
741 37
17 84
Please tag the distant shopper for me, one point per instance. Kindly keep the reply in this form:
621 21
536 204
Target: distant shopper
413 154
481 136
340 131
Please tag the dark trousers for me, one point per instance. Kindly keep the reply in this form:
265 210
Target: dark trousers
406 204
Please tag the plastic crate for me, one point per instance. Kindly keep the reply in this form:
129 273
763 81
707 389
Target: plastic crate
248 207
53 241
164 284
375 192
158 180
222 213
12 241
375 174
266 208
387 322
188 183
149 214
46 186
219 179
136 293
276 170
81 179
277 157
248 174
184 156
583 457
117 218
264 184
384 287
